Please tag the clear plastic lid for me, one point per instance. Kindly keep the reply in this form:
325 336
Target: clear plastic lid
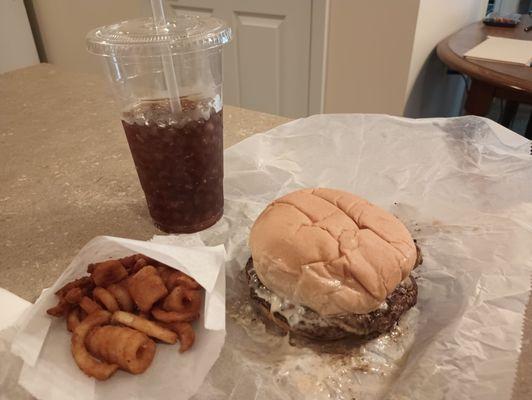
140 37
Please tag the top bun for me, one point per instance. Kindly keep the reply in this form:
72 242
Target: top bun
331 251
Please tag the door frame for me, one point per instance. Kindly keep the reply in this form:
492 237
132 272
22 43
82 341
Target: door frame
319 31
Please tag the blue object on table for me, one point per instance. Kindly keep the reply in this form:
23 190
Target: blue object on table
503 20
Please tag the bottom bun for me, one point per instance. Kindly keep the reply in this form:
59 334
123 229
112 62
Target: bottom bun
284 317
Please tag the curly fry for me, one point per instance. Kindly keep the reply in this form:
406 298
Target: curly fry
72 319
85 282
87 363
185 281
122 296
183 300
131 349
173 316
165 272
129 261
106 298
145 315
139 264
74 295
175 278
146 287
100 342
88 305
185 332
172 278
60 309
148 327
108 272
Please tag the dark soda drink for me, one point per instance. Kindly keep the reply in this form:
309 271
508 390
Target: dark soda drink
179 161
175 141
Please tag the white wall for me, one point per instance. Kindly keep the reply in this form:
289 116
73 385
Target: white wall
369 46
381 56
17 48
63 25
430 92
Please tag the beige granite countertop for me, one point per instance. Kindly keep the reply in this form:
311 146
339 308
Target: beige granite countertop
66 175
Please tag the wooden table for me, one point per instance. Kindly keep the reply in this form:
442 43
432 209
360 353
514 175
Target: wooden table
490 79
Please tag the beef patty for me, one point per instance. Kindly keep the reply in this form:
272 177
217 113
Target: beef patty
285 317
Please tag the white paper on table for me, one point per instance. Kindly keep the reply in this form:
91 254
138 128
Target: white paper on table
12 307
43 342
462 187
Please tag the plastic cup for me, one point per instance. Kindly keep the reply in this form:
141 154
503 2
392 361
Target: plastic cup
177 150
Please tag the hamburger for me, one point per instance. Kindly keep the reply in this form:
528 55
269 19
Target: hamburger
327 265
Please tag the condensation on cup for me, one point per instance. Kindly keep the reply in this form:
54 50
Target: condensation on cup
176 141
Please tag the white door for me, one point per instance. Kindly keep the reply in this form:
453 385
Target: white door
267 66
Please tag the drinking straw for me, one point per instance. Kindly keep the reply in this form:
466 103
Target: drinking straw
159 20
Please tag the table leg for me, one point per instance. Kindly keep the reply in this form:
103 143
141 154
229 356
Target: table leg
528 132
479 98
508 115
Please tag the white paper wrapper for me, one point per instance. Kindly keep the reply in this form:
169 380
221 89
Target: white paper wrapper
43 343
12 307
462 186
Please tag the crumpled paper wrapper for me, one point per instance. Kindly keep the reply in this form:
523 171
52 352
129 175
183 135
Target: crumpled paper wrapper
49 371
462 187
